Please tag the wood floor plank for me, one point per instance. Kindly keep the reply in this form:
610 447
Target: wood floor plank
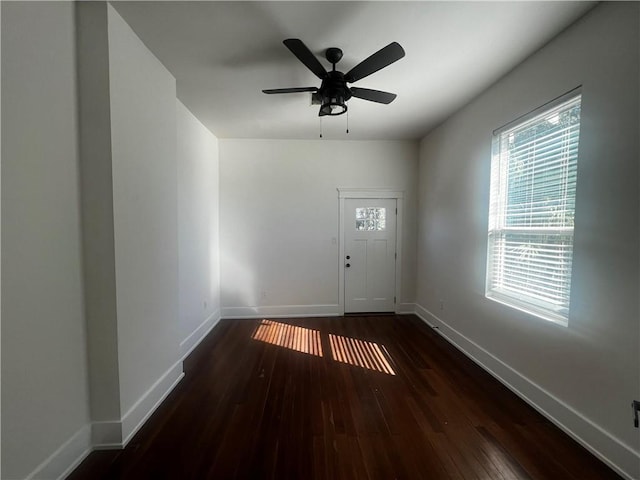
355 398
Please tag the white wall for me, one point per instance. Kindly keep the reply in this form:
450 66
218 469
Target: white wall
120 117
279 219
586 375
145 210
199 263
44 367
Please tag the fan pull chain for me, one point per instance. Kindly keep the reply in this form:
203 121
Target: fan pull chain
320 127
347 122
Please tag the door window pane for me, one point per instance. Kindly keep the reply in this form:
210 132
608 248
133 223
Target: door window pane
371 218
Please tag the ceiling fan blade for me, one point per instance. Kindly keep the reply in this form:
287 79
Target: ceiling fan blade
373 95
305 55
290 90
382 58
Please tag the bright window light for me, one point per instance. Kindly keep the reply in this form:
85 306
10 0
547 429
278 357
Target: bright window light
532 208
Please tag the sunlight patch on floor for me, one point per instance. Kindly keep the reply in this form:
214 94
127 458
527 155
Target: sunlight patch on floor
360 353
288 336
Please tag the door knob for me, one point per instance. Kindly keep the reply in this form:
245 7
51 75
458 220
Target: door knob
348 265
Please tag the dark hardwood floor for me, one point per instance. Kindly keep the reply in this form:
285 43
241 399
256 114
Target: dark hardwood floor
365 397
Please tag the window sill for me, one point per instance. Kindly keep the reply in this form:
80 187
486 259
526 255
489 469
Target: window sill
531 309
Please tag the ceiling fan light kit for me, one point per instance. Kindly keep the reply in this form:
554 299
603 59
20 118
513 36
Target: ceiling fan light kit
333 106
334 91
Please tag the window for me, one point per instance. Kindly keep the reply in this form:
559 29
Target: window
371 218
531 213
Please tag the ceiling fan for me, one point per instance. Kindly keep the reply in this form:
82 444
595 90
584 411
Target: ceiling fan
333 91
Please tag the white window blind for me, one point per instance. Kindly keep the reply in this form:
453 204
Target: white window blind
531 214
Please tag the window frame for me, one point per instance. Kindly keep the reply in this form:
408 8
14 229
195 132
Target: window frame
497 224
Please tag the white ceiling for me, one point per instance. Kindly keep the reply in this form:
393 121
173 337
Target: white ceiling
224 53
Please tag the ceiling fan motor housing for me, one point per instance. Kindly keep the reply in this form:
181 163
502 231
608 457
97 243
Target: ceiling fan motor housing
334 85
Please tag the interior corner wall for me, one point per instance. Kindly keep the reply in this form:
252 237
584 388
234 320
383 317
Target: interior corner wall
97 210
586 375
45 405
145 215
279 219
198 225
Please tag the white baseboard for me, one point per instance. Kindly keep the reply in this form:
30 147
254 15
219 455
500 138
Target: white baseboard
615 453
195 337
106 435
404 308
116 434
147 404
282 311
67 457
110 435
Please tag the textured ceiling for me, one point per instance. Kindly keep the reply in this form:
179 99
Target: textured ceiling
224 53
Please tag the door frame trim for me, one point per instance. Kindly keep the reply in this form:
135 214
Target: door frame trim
369 193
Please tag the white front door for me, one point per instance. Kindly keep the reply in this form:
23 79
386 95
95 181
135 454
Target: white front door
370 255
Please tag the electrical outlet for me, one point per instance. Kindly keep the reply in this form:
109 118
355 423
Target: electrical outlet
263 294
